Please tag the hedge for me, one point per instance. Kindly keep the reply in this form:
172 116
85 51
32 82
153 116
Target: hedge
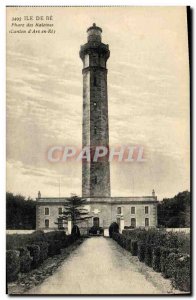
25 260
12 264
35 254
170 265
54 248
15 241
26 252
167 253
178 240
134 247
128 244
141 251
156 259
148 255
43 250
182 273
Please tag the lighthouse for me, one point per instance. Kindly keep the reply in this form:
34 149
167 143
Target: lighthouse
95 129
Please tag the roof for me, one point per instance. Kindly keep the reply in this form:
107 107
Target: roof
94 27
100 200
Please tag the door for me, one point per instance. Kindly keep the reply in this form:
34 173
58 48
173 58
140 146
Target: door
133 222
96 222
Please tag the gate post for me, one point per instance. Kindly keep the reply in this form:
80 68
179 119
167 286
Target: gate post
69 226
122 224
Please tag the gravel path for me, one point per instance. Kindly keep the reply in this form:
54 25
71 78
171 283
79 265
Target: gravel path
100 266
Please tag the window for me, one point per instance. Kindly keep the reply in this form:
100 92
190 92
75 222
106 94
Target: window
60 210
86 61
133 210
46 211
119 210
146 209
46 223
146 222
133 222
60 224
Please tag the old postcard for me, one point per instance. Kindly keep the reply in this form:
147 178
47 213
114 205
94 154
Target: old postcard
98 151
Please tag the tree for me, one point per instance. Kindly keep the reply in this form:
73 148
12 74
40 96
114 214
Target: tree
175 212
20 212
74 210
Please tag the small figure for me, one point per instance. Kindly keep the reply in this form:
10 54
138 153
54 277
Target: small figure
39 195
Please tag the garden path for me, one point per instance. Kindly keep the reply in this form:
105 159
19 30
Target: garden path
100 266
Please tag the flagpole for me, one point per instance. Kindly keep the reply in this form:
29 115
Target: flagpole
59 187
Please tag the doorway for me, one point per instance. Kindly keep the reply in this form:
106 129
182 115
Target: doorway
96 222
133 222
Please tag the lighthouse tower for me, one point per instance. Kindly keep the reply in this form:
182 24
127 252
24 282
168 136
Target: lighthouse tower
94 54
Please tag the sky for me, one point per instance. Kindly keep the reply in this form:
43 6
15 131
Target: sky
148 98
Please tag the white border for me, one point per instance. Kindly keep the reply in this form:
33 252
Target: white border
3 93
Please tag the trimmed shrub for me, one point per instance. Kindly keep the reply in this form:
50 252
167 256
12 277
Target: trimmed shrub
122 241
25 260
55 235
156 259
75 231
38 236
148 255
141 251
134 248
35 254
128 244
136 234
71 239
64 242
12 264
34 250
114 228
170 265
54 248
15 241
115 236
182 274
43 250
167 261
164 253
161 238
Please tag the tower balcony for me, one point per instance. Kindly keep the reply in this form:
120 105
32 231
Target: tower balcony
94 47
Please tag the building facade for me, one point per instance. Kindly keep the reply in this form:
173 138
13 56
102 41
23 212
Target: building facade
103 209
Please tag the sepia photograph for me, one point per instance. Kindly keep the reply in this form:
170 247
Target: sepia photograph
98 188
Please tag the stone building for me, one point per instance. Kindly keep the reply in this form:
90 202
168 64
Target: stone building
103 209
